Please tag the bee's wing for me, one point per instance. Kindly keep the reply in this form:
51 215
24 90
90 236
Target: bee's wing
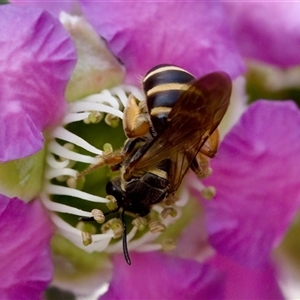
194 117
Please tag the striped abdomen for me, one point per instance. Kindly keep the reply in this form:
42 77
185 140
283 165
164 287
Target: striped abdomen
162 87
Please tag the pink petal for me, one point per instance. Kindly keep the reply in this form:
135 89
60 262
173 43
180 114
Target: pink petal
256 174
25 230
269 32
37 58
193 35
159 276
54 7
246 283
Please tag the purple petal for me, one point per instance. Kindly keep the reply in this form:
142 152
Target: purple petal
159 276
269 32
256 174
245 283
25 231
54 7
37 58
193 35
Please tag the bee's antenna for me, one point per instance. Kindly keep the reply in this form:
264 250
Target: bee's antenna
124 239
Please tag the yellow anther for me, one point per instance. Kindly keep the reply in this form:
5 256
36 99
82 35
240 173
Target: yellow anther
112 120
95 117
112 204
98 215
140 223
169 211
86 238
156 226
168 244
107 148
208 192
115 225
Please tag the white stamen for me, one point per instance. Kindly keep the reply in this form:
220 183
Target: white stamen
148 237
105 97
90 106
62 190
66 135
75 117
117 246
56 148
52 162
100 241
149 247
52 173
121 95
134 91
53 206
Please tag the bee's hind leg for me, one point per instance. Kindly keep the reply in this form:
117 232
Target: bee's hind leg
136 119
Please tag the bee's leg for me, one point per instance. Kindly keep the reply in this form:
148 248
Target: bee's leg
211 145
200 165
136 120
112 160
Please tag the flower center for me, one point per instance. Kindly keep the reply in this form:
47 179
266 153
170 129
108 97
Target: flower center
76 196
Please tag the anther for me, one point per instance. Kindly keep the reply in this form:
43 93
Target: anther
86 227
112 120
168 244
169 211
115 225
112 204
170 200
86 238
95 117
208 192
107 148
140 223
156 226
72 182
98 215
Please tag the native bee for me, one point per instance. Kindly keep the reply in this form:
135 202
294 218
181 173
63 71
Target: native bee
172 131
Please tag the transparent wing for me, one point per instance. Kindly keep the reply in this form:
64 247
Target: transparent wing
194 117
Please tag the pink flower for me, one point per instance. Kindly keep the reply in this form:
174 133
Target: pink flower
256 176
37 58
255 171
266 31
26 266
195 35
257 197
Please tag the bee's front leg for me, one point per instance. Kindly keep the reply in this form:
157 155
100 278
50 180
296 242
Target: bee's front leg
113 160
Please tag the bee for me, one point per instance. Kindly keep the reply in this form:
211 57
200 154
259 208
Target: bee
172 131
